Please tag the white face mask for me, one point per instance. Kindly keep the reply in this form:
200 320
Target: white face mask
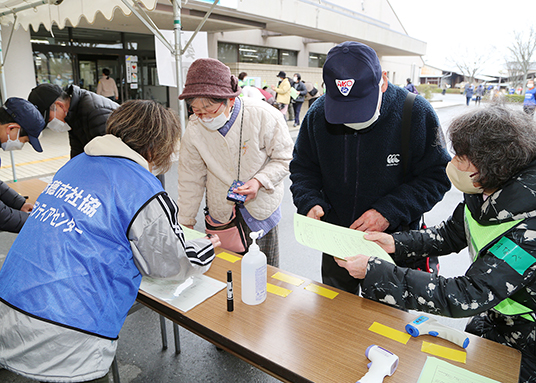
462 180
295 79
12 144
366 124
58 126
216 122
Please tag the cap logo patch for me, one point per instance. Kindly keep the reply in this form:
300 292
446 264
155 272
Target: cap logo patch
345 86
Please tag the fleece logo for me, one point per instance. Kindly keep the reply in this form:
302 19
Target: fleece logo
393 159
345 86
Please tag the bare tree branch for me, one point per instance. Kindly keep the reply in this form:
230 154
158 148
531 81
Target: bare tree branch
522 51
469 63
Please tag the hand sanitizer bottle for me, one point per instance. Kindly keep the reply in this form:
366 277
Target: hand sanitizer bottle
254 273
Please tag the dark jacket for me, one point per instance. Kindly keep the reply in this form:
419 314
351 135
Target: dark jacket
348 172
11 218
488 281
302 90
87 117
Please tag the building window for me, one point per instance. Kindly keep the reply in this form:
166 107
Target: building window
316 60
53 68
232 53
288 57
227 53
258 55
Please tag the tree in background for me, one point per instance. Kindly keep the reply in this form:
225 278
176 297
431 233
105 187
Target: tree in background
469 63
522 51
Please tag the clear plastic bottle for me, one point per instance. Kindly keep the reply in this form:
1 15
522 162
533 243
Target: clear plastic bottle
254 273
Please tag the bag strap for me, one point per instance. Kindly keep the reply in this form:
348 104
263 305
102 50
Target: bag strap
240 142
406 131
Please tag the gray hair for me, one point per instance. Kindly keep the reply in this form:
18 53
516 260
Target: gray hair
497 140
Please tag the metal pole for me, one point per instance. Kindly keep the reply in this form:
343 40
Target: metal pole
178 61
148 24
3 90
200 26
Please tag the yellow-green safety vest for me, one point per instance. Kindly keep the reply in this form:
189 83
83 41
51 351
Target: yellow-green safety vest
480 236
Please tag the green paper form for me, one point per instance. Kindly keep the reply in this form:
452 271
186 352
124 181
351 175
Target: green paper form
438 371
340 242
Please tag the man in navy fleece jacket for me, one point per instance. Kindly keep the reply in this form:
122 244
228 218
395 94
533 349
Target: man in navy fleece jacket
347 167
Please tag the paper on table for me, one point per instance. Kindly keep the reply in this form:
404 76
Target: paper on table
190 234
438 371
341 242
183 295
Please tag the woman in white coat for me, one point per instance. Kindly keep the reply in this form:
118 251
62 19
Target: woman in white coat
228 139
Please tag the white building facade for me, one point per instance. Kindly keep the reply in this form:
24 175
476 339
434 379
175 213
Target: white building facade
254 36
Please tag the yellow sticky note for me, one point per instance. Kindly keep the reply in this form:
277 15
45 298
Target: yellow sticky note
277 290
228 257
444 352
287 278
321 291
390 333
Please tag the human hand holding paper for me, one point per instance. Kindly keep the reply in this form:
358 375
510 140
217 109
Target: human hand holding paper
340 242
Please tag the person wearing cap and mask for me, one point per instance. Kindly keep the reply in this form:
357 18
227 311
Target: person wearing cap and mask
347 166
495 168
283 92
20 122
231 138
80 112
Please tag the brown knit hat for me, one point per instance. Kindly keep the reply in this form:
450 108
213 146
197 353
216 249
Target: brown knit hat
210 78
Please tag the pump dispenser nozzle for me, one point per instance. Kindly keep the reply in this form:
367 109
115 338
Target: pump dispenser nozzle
254 235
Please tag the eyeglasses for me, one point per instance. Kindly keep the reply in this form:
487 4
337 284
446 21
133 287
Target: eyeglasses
203 112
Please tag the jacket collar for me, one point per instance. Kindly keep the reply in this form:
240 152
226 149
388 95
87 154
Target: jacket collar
513 201
112 146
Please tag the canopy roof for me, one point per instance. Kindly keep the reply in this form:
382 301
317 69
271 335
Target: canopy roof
35 12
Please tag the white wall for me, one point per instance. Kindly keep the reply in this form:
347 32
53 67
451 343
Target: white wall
19 66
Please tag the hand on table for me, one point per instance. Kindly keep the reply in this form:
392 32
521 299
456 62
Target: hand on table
27 207
371 220
214 239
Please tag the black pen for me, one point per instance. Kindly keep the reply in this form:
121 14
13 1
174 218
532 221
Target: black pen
230 303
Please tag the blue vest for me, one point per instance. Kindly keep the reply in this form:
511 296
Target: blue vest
72 264
530 98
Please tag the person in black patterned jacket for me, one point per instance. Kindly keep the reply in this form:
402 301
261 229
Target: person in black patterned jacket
495 167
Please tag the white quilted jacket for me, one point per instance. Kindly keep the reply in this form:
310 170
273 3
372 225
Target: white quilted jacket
208 159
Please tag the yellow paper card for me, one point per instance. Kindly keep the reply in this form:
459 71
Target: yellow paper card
228 257
277 290
321 291
390 333
444 352
287 278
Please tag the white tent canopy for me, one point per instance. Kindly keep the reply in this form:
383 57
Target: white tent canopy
24 13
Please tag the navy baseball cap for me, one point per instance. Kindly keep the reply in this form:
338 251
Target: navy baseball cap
28 117
352 74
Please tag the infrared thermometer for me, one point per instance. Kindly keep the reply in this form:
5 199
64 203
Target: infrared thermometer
426 325
382 363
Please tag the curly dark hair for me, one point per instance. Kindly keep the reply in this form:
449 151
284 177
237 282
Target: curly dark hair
497 140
